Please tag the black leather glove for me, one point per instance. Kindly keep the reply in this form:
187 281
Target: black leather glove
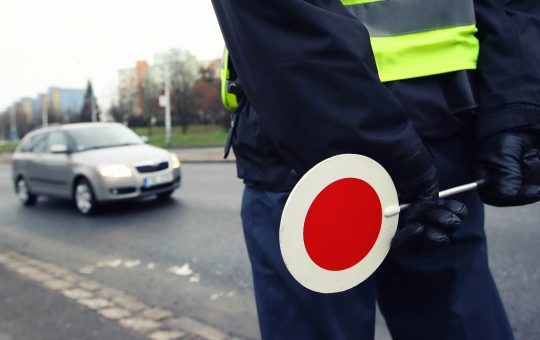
509 163
429 221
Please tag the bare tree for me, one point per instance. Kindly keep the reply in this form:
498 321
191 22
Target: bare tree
152 91
183 72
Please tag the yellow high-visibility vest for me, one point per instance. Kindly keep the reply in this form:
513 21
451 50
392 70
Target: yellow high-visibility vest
411 38
416 38
229 100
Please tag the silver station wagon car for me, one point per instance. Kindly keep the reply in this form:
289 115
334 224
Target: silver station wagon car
91 163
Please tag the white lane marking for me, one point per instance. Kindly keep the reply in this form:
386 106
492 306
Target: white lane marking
183 270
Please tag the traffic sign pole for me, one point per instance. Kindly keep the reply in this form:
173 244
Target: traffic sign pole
394 210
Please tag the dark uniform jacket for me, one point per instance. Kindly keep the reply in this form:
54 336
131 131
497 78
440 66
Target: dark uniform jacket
307 69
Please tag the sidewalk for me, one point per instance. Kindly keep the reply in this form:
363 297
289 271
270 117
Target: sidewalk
42 300
32 312
187 155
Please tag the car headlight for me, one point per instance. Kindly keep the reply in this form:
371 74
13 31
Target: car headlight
175 161
115 170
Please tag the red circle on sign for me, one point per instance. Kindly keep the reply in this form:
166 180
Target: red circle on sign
342 224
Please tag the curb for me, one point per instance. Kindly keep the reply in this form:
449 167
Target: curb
152 322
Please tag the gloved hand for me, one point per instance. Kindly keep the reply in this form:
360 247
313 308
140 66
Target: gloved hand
509 163
429 221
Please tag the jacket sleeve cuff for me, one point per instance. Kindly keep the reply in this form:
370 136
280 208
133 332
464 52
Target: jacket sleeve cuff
412 170
507 117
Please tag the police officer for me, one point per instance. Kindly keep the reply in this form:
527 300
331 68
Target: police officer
454 101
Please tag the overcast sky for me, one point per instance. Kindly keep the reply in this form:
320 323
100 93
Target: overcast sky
65 42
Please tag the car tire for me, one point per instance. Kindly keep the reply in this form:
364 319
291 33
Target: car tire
84 197
165 195
24 194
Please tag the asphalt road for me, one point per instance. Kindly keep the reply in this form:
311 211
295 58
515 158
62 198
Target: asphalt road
187 255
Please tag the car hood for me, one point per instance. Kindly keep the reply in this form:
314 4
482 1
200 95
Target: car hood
129 155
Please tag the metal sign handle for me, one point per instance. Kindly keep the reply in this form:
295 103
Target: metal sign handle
394 210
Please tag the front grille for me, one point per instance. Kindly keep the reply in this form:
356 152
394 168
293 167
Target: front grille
143 169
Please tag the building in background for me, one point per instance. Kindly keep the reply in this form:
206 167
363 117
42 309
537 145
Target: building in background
139 88
39 104
23 116
25 110
127 90
141 82
62 105
65 104
12 120
133 89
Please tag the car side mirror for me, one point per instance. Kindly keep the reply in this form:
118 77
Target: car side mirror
144 139
59 148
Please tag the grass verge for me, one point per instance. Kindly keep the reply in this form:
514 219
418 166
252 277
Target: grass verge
195 136
7 147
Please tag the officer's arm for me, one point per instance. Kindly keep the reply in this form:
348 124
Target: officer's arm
509 64
308 70
509 92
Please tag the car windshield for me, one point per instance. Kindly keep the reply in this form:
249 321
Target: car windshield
104 136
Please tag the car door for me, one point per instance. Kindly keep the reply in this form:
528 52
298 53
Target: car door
33 167
22 158
57 171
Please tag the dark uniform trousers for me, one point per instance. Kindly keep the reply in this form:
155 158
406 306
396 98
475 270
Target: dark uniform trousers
442 294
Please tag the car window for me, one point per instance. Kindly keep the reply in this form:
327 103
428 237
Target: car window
27 146
36 144
56 138
102 136
40 144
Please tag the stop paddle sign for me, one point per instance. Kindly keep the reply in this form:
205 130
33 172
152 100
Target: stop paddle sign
334 232
339 221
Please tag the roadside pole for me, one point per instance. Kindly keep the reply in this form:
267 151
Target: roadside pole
14 133
167 105
45 111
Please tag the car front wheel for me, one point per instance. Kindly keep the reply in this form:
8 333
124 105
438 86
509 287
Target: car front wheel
24 194
85 199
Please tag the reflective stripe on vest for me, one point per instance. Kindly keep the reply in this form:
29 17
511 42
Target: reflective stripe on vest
416 38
